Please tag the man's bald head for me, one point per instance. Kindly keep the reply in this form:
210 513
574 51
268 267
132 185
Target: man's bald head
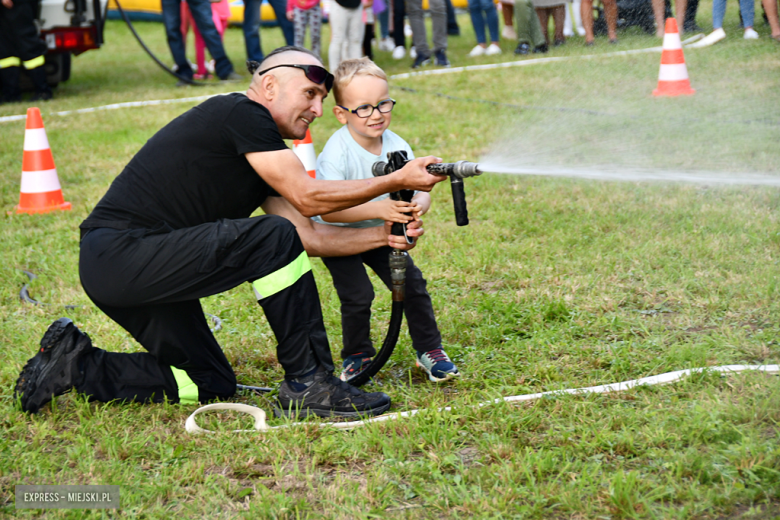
289 54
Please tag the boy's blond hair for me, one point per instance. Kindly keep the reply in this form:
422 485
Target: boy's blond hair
348 69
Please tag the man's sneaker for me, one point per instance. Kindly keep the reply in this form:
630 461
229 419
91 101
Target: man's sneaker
437 365
55 368
325 395
232 77
421 60
441 59
399 52
353 365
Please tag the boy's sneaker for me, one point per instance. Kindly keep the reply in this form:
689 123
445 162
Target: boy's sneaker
353 365
325 395
55 368
421 60
441 59
437 365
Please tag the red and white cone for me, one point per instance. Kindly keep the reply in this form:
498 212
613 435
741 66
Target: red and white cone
304 149
40 190
673 75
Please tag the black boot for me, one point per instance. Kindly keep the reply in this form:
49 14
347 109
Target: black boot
42 89
55 368
9 78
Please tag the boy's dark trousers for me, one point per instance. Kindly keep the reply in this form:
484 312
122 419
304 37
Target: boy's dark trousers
356 293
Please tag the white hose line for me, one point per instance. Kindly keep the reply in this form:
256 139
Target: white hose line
114 106
661 379
535 61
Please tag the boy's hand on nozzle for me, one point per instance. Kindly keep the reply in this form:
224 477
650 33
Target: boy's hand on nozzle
395 210
414 176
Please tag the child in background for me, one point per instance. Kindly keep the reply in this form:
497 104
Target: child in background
303 13
363 106
220 12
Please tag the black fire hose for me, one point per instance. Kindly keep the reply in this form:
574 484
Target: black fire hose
163 66
398 259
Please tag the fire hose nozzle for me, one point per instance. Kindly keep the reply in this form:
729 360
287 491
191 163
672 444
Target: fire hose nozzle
458 170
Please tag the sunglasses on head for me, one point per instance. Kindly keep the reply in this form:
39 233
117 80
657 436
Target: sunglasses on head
314 73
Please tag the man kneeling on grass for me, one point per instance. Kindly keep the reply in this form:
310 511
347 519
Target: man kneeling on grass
174 227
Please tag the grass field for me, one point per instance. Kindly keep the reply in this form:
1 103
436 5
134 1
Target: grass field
556 283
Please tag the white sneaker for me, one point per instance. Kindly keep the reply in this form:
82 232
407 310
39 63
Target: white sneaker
477 51
712 38
751 34
386 44
492 50
568 33
581 31
508 33
413 53
407 30
399 52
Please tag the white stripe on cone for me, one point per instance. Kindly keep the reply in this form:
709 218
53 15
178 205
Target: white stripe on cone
672 41
40 182
677 72
35 139
305 153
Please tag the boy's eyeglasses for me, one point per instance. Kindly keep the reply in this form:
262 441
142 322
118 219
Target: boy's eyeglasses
315 73
364 111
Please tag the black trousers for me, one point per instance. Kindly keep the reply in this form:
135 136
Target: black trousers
399 13
150 282
20 47
356 294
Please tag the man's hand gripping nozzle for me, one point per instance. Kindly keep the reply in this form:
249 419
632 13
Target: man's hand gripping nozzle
455 171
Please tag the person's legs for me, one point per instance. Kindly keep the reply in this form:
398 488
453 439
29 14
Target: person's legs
690 16
280 10
453 29
438 12
586 11
368 35
299 24
355 294
418 307
543 13
559 15
611 14
154 278
171 12
355 32
718 13
419 35
747 9
770 8
491 17
30 48
251 28
475 10
338 34
315 24
399 13
529 30
202 15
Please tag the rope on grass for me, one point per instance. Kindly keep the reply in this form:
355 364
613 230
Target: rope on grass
24 295
661 379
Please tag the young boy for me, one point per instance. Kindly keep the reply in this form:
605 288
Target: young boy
364 106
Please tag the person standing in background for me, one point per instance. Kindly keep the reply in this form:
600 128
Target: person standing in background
251 26
346 31
476 9
438 12
306 13
20 47
220 13
611 14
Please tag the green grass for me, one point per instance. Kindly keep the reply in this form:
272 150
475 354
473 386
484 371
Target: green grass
556 283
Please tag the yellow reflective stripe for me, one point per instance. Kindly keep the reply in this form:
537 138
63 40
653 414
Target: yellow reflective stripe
13 61
283 278
188 391
34 63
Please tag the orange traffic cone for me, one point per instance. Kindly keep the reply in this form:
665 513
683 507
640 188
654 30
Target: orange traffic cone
673 76
40 190
304 149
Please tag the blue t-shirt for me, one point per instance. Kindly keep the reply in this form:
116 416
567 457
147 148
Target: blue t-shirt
343 159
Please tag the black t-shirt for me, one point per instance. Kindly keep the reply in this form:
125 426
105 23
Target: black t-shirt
193 170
